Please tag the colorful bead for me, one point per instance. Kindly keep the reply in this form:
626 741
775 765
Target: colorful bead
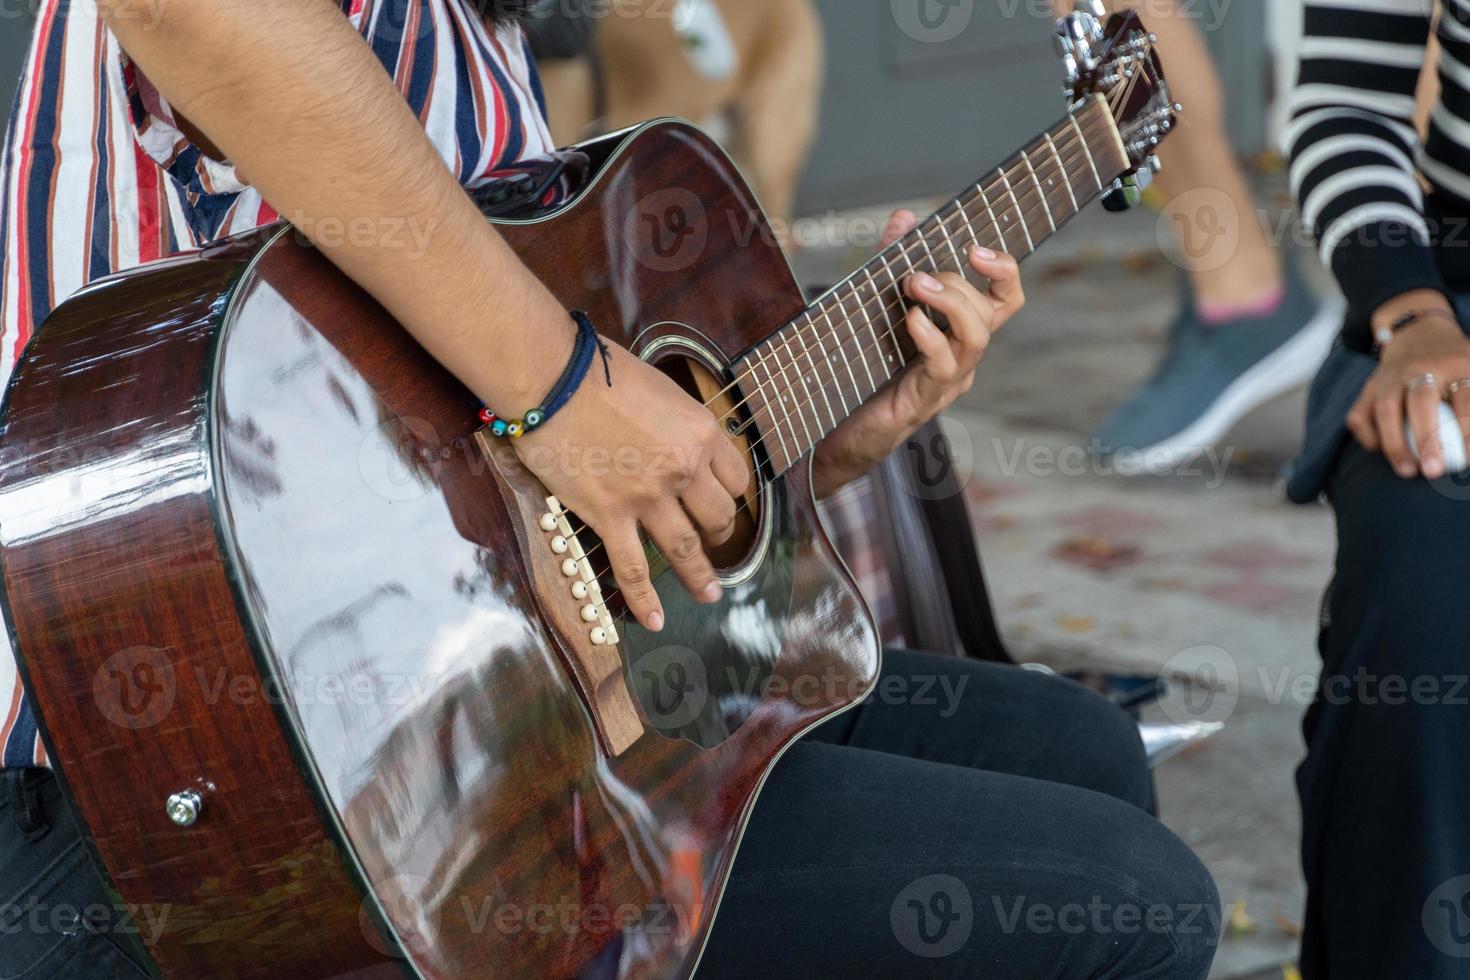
487 416
534 418
499 426
515 430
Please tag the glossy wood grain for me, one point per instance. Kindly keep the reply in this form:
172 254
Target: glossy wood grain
306 481
129 637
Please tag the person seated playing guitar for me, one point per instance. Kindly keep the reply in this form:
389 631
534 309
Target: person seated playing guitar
998 824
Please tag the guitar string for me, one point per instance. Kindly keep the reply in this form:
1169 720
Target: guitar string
810 314
938 237
1069 142
1034 210
855 290
1037 199
1036 203
1114 100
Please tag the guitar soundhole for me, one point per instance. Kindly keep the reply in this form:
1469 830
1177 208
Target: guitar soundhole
726 402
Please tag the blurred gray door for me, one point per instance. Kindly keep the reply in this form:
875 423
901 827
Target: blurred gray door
15 37
925 95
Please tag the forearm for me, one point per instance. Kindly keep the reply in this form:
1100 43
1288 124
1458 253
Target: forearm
298 102
1353 145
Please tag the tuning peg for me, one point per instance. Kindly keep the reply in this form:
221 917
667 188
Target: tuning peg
1071 73
1093 7
1127 191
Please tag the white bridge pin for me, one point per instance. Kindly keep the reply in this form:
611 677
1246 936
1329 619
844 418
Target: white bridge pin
590 613
579 590
569 568
548 522
560 546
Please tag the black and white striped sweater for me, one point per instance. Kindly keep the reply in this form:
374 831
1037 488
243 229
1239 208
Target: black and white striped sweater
1357 161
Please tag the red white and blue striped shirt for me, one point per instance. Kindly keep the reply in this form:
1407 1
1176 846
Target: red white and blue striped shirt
97 176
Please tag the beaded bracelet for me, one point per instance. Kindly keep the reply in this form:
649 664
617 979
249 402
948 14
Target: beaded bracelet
588 345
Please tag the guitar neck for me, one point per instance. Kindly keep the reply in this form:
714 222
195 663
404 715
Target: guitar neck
812 374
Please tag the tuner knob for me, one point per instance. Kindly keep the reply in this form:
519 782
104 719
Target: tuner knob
1093 7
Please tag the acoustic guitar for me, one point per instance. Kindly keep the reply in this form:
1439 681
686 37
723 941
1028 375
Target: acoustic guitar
333 685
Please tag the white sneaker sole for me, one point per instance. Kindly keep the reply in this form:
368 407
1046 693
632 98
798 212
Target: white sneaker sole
1293 365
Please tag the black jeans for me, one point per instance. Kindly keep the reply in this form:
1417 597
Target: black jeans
969 820
57 919
1385 787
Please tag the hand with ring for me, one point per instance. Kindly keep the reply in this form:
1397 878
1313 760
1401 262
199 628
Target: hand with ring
1426 363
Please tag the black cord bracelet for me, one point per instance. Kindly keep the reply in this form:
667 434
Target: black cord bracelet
588 346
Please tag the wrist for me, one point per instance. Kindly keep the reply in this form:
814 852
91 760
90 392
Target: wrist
588 348
1419 310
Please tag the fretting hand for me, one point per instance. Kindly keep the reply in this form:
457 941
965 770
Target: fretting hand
944 371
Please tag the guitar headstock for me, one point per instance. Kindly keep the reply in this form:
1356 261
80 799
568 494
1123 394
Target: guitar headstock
1116 57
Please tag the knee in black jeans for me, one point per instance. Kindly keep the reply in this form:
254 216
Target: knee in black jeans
56 916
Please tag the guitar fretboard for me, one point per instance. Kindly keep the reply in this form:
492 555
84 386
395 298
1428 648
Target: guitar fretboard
807 378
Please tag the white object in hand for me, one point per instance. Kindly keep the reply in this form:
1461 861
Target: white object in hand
1451 438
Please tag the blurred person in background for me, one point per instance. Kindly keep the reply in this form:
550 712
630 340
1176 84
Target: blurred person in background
1384 787
1248 328
750 71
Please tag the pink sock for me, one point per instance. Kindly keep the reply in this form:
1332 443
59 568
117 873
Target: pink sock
1215 312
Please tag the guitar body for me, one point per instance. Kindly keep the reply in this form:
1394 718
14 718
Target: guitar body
254 549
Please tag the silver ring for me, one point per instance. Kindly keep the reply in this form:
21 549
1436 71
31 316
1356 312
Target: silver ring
1458 386
1423 381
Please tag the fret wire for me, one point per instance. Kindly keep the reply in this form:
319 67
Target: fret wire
1026 158
944 229
821 386
786 395
1066 177
841 344
770 410
1025 229
1087 150
898 287
882 361
809 403
924 241
965 214
1000 235
886 318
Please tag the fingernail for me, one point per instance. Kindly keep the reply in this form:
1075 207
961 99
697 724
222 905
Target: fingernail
981 252
1433 469
929 284
656 622
1406 470
712 593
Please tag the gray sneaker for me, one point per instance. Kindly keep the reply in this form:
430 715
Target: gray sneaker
1214 375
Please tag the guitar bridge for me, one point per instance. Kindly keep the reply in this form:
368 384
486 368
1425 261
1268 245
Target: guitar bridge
564 542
